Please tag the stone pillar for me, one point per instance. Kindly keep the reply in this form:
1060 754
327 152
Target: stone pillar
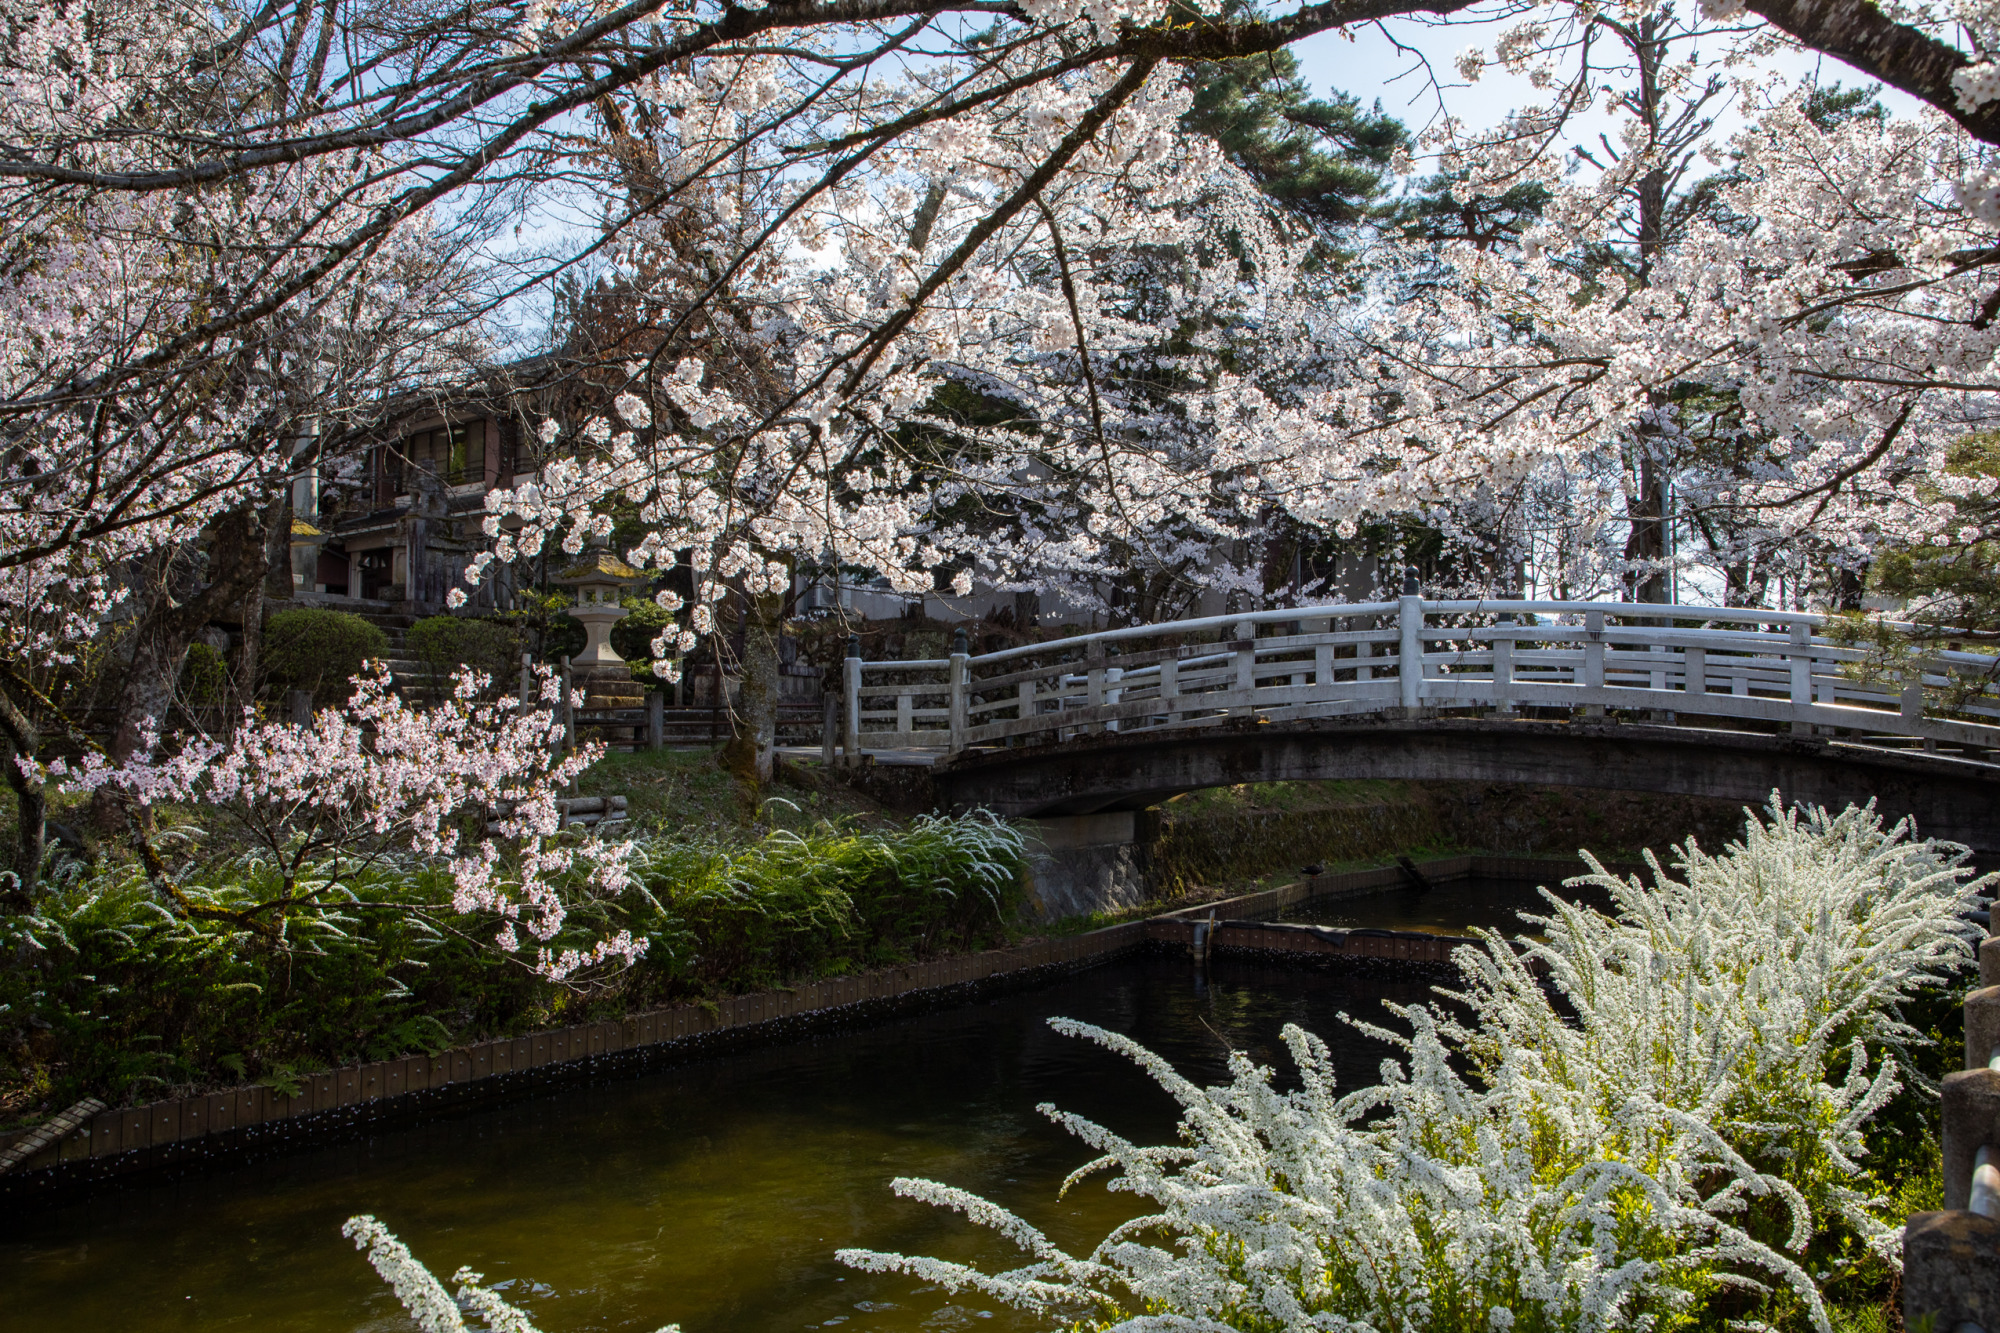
1951 1271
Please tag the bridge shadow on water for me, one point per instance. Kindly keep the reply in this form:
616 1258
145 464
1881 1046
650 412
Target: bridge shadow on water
1453 907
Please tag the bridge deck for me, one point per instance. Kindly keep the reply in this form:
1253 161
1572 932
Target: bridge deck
1754 668
1768 692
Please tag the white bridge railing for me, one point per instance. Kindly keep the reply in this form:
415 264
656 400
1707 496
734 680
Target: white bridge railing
1752 665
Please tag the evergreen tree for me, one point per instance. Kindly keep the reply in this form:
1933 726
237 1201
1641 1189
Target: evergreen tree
1327 159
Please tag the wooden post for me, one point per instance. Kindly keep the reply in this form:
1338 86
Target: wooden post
1245 662
1410 643
958 675
656 720
1800 657
850 680
568 706
1093 675
1593 659
1322 656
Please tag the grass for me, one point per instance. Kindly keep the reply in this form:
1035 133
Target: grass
1283 797
684 792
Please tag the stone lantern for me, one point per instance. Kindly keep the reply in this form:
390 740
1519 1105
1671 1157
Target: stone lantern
600 579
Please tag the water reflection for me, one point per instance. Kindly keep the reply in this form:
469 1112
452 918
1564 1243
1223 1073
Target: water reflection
713 1195
1450 908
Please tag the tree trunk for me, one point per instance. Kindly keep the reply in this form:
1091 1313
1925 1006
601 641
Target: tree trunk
24 741
1646 544
752 750
238 559
277 545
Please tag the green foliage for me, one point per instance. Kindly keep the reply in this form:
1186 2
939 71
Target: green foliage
1327 160
310 648
538 621
632 638
1830 105
443 643
1953 580
204 675
827 900
116 993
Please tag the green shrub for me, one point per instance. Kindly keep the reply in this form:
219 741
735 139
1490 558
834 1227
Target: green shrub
308 648
632 638
445 643
112 993
204 675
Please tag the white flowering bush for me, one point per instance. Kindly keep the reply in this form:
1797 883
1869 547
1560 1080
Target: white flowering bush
1658 1133
435 1309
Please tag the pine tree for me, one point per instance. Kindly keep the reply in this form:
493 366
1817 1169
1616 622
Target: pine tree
1327 159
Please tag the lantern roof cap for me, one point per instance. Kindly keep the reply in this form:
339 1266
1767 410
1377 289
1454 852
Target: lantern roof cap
598 565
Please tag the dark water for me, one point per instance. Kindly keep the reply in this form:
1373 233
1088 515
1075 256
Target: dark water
1450 908
712 1195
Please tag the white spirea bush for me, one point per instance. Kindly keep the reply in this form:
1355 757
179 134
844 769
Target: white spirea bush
435 1309
1689 1131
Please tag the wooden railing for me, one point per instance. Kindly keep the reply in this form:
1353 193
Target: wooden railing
1753 665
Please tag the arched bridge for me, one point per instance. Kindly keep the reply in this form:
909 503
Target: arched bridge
1720 702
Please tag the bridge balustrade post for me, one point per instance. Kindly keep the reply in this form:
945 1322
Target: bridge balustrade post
1503 665
1694 674
1363 651
1322 653
850 690
1093 656
1799 655
1912 705
1170 689
1593 659
1410 645
1025 694
1245 661
957 676
1112 694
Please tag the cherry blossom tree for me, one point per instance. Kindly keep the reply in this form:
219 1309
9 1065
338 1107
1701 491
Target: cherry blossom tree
469 783
827 215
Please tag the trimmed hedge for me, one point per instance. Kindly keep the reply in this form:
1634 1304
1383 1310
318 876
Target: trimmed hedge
445 643
311 648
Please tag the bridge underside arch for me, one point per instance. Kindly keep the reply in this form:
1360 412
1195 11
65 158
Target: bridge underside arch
1948 797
